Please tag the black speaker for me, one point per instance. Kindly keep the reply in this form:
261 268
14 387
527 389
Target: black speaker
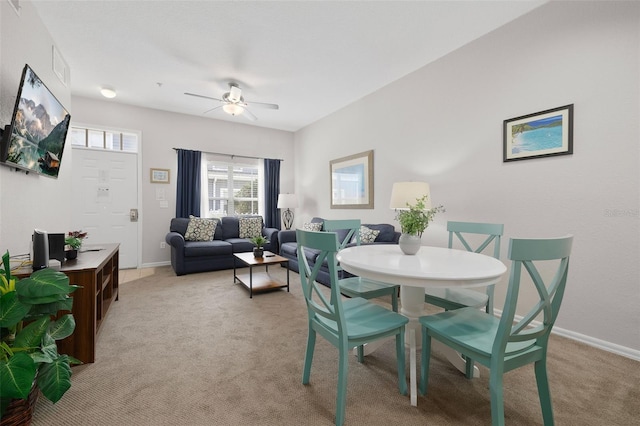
56 247
40 250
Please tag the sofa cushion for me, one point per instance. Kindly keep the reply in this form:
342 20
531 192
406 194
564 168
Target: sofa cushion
179 225
200 229
207 248
240 245
249 227
312 226
387 232
368 235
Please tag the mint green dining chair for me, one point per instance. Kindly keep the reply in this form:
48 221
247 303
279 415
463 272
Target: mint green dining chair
499 343
456 298
357 286
347 323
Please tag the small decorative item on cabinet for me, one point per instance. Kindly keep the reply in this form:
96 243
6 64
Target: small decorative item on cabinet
73 242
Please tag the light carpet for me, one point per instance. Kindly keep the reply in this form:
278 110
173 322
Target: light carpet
196 350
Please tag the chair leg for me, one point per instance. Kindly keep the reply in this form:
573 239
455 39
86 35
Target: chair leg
311 343
424 364
341 398
544 392
469 368
361 353
489 307
394 301
402 375
497 395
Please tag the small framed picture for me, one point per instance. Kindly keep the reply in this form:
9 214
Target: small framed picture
541 134
160 175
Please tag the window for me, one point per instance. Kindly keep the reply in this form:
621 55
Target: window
233 188
111 140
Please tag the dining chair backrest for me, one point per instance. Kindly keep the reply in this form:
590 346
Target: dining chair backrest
532 255
318 305
352 226
493 231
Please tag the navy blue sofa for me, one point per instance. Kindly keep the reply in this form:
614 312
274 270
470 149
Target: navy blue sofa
200 256
288 246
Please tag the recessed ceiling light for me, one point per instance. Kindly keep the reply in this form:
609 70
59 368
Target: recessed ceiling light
108 92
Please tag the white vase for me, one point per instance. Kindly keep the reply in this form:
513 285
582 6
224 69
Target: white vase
409 244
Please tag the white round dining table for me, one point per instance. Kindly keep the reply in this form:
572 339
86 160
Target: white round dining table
431 267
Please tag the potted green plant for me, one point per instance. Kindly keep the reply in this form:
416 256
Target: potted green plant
413 222
32 319
73 242
259 243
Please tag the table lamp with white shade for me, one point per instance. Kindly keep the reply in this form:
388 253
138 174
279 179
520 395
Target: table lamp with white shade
287 202
408 192
404 194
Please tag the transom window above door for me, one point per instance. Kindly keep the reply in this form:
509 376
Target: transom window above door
110 140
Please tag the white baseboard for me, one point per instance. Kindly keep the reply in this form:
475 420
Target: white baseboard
591 341
600 344
155 264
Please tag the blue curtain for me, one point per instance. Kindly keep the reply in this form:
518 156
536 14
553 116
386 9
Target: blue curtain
271 191
188 189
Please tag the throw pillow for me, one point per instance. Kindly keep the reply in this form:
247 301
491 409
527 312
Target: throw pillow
250 227
367 235
200 229
312 226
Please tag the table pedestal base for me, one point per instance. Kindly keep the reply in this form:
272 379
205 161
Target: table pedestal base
412 307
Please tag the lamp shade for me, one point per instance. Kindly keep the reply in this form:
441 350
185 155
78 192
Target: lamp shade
408 192
287 201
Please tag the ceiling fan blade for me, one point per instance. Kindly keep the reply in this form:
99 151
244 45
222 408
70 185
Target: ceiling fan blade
209 110
264 105
249 114
202 96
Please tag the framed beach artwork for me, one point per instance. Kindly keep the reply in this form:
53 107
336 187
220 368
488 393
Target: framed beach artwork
542 134
352 181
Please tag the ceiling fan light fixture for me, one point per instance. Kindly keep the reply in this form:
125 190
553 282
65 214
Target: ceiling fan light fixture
233 109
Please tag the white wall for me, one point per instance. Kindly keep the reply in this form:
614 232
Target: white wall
29 201
443 124
161 132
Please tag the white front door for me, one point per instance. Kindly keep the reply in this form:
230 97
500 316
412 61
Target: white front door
107 185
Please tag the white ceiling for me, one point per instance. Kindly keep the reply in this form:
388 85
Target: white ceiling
311 58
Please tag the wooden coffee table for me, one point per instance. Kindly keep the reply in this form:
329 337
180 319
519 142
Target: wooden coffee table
260 281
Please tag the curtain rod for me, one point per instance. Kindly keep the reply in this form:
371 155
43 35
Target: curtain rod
233 155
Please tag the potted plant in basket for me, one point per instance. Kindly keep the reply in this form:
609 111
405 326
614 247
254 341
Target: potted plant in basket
30 324
413 222
73 242
259 243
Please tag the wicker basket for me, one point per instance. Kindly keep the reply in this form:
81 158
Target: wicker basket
20 411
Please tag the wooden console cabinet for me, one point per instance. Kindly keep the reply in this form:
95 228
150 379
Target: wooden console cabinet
96 272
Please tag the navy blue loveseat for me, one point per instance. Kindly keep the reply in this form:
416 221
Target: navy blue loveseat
288 246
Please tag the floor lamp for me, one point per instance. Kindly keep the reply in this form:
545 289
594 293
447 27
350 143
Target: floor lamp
287 202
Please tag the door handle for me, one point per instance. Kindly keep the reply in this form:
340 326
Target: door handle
133 215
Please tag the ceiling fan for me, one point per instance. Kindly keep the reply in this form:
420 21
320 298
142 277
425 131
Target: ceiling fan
234 104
